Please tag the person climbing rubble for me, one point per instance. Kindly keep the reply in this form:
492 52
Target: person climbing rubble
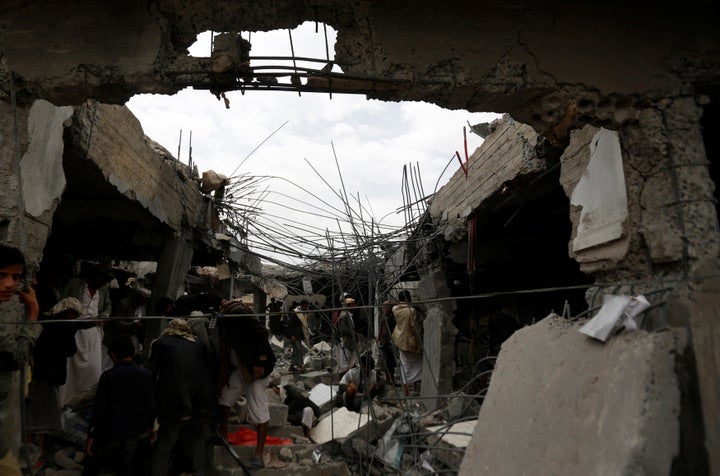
301 410
246 361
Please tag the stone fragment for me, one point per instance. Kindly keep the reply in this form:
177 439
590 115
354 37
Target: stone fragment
564 399
278 414
285 455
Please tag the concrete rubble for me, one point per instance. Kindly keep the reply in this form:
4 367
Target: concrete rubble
342 442
621 396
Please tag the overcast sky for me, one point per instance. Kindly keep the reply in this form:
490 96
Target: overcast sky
372 139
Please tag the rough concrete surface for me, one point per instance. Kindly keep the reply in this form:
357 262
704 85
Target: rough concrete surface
560 403
339 425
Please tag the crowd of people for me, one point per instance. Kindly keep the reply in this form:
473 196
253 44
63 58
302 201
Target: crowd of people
156 402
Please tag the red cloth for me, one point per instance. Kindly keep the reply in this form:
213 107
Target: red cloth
248 437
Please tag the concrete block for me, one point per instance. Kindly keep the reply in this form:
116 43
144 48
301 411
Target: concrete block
278 414
448 440
337 425
322 395
285 455
577 406
310 379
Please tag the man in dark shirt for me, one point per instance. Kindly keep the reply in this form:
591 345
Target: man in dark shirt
124 410
184 395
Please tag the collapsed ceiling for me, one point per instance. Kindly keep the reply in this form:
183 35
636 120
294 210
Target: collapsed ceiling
540 61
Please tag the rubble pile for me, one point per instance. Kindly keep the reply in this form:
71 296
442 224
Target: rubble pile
389 435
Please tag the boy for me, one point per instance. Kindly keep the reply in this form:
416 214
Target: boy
124 410
16 341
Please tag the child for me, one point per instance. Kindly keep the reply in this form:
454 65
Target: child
16 341
124 410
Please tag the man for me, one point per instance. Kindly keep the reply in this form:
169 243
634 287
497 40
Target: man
124 410
387 352
304 316
134 307
407 337
346 349
297 333
276 325
49 370
16 341
359 383
244 345
301 410
184 395
86 366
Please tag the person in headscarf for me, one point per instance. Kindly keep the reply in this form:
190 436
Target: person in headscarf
184 396
86 366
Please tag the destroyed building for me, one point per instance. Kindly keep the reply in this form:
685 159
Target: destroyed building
625 96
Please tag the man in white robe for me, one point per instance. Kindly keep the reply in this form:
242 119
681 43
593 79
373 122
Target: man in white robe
85 367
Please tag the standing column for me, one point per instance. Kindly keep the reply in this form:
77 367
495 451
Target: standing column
172 267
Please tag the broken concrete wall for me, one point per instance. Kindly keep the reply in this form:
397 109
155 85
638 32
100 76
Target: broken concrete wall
562 403
508 152
670 238
40 140
112 138
438 337
671 221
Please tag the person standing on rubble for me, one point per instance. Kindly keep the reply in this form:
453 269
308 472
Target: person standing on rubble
387 352
346 348
16 342
295 333
245 348
407 337
275 318
183 392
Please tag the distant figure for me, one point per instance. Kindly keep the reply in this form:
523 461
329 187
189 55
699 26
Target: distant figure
297 333
407 337
346 348
16 343
387 351
276 326
124 411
